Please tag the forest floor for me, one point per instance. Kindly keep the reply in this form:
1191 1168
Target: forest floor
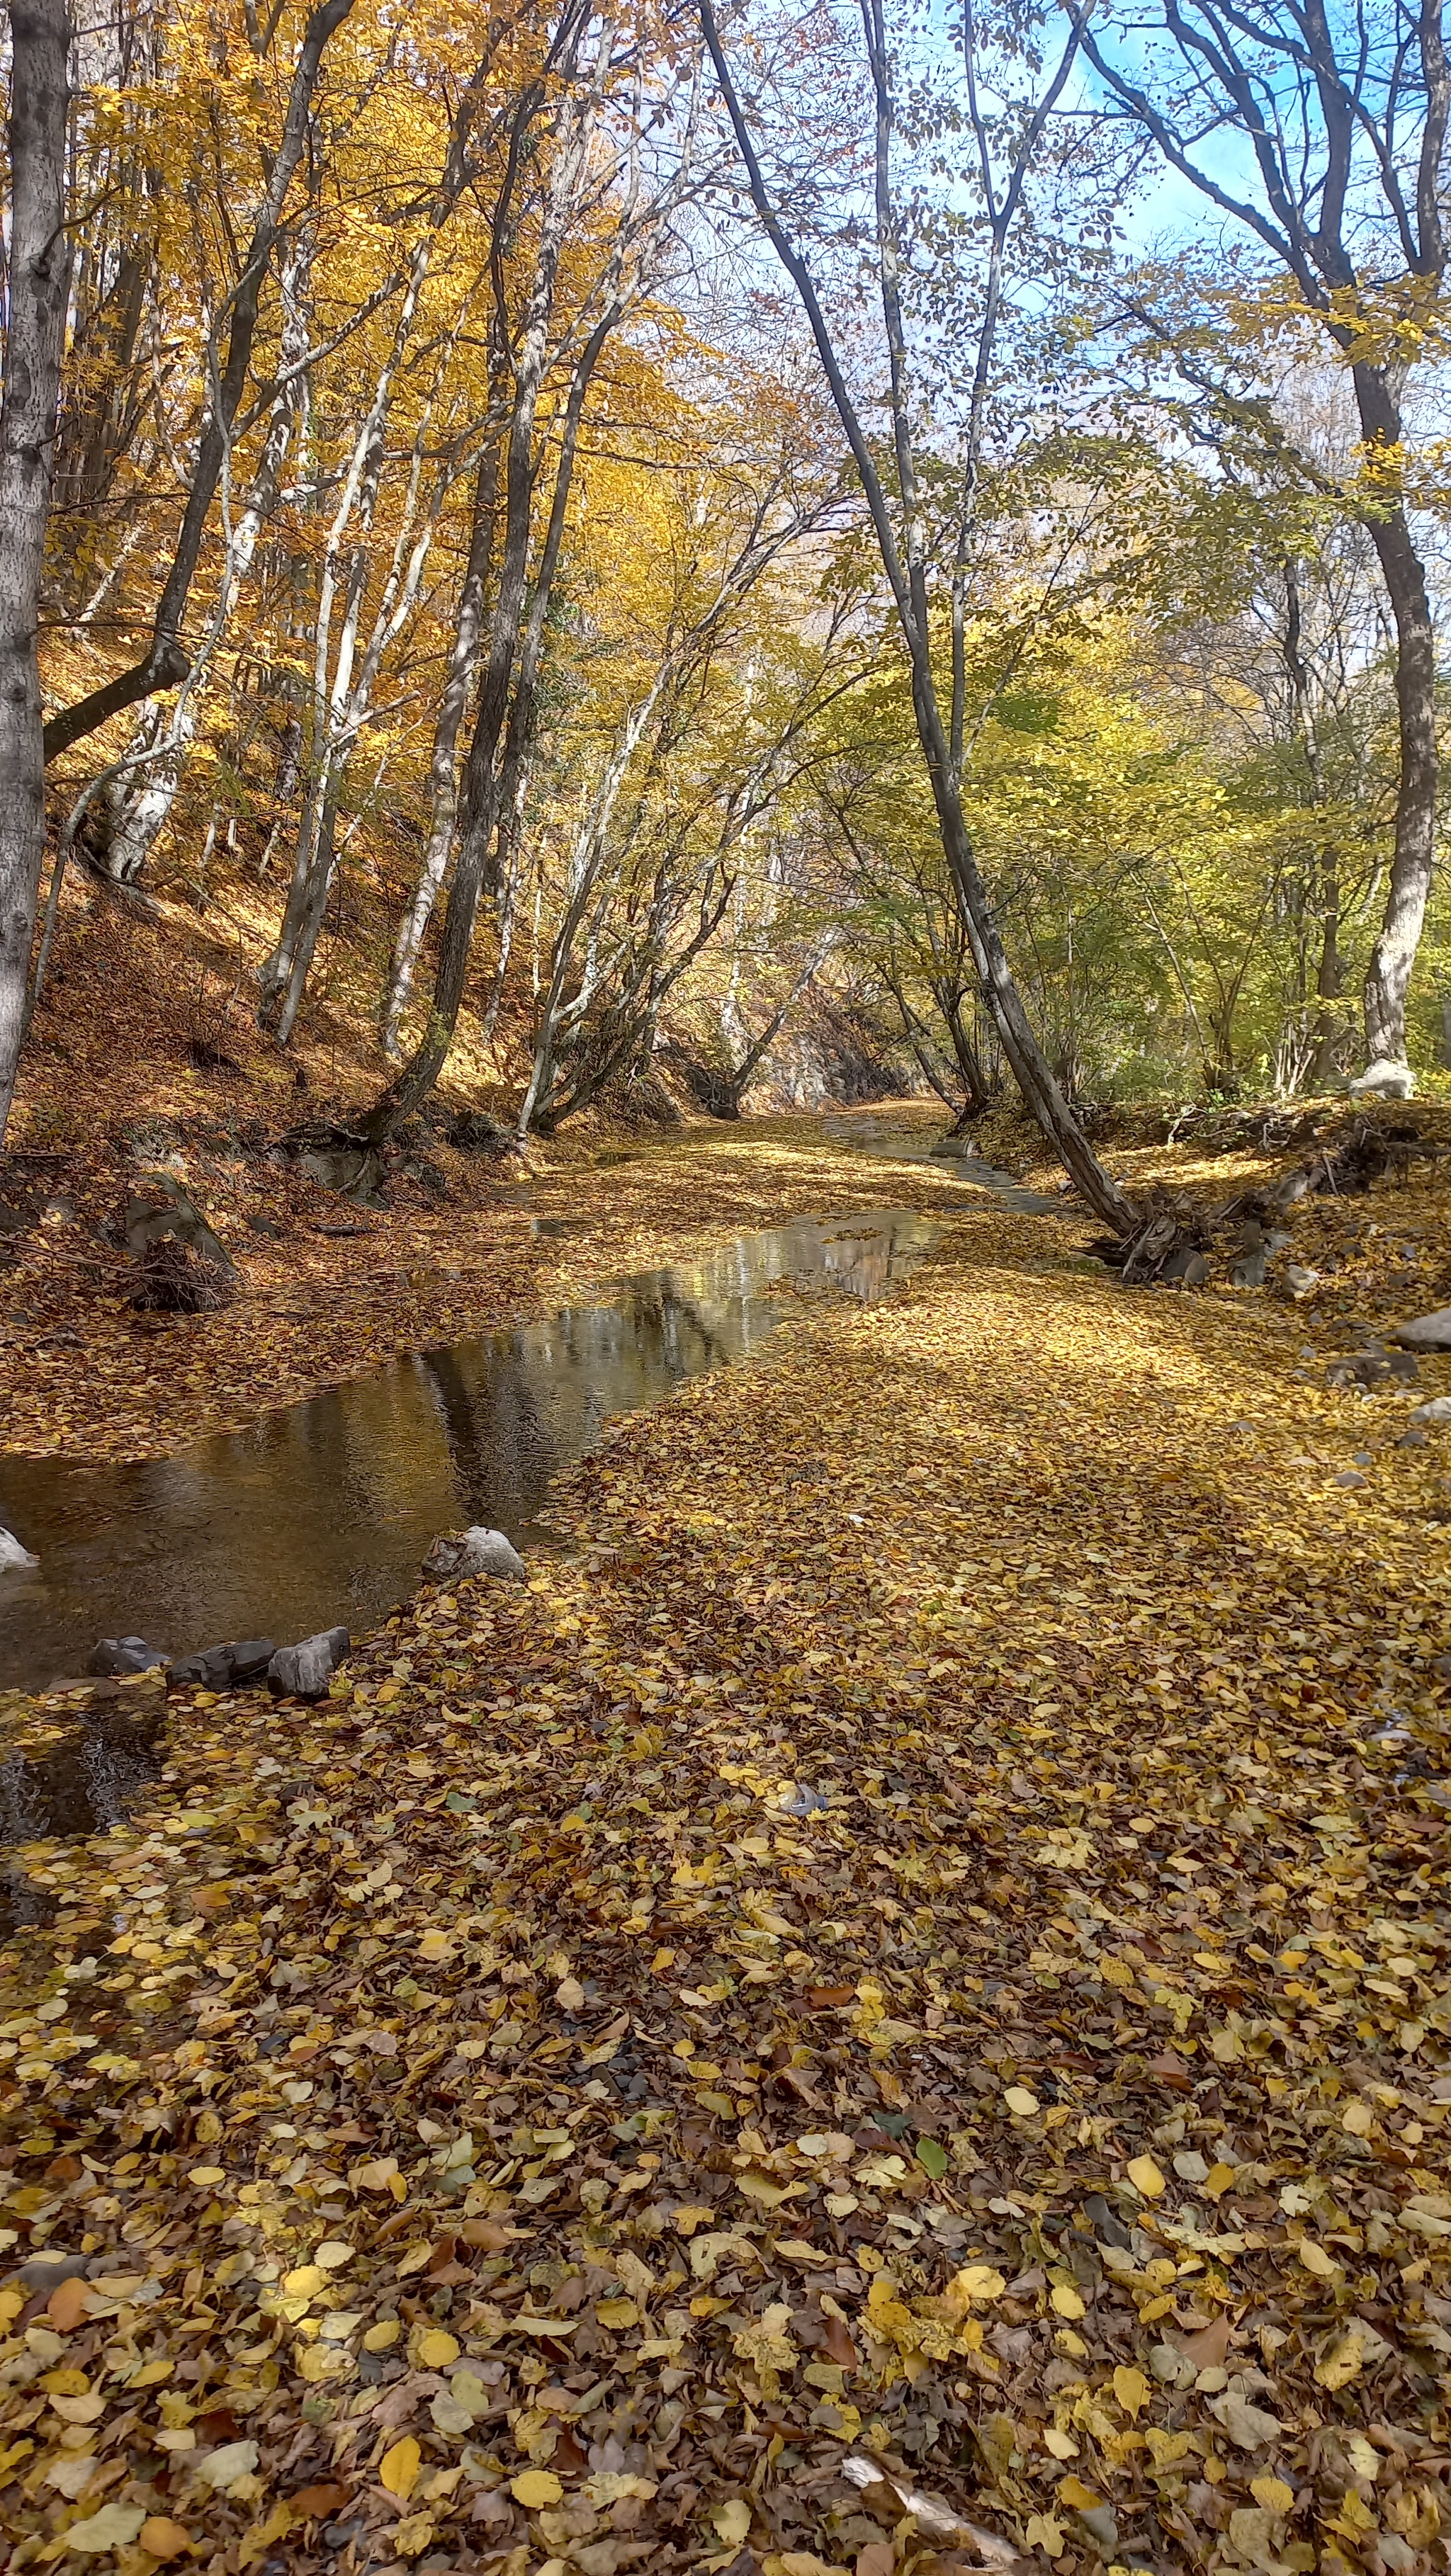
910 1959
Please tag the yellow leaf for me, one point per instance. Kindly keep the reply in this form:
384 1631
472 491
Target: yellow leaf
1020 2101
305 2282
1065 2301
1217 2180
384 2333
1358 2118
398 2469
412 2535
617 2312
1272 2493
1316 2260
1073 2492
437 2350
1145 2176
1343 2363
1062 2445
731 2521
1131 2389
975 2281
435 1945
1045 2532
535 2487
687 2219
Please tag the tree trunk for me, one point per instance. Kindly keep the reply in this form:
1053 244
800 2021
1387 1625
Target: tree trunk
443 769
34 346
166 662
1389 975
906 575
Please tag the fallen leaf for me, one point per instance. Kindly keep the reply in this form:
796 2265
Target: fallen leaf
535 2487
398 2468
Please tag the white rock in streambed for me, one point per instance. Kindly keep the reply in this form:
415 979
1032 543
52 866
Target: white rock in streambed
474 1551
12 1554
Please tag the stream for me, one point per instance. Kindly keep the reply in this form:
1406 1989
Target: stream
320 1514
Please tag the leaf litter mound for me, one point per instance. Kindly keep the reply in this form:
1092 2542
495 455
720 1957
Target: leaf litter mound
887 2011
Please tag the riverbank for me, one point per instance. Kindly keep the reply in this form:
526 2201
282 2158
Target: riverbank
910 1941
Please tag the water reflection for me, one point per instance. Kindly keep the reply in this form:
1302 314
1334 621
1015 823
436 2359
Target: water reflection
322 1512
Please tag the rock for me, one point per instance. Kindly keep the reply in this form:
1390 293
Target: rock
125 1655
251 1658
1383 1080
304 1671
1413 1440
1299 1281
1249 1270
1438 1410
212 1669
475 1551
1350 1479
1427 1332
1372 1368
144 1223
1187 1266
12 1554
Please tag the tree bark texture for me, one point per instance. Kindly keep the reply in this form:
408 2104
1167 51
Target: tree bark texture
34 347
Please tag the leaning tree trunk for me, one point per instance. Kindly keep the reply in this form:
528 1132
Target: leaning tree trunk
34 347
1389 974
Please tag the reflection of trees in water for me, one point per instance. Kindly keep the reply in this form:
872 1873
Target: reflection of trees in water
499 1443
323 1511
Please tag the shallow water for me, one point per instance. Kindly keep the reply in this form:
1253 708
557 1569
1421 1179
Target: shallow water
320 1514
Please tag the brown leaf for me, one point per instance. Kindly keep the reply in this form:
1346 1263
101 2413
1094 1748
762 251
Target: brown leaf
830 1998
1207 2349
837 2345
310 2503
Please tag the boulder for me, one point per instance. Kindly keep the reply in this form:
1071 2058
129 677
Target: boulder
305 1670
212 1669
1300 1282
1372 1368
1426 1332
12 1554
474 1551
1383 1080
251 1658
1438 1410
113 1655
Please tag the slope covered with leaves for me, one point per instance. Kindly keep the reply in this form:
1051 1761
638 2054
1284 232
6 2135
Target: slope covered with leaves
901 1945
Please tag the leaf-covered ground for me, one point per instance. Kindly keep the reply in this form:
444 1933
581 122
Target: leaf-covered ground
918 1939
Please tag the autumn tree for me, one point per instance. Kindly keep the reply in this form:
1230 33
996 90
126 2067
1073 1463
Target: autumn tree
1336 174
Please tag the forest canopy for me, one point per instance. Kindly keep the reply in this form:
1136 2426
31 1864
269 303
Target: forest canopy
690 511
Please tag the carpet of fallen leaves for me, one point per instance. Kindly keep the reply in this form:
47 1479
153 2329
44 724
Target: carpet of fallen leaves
910 1959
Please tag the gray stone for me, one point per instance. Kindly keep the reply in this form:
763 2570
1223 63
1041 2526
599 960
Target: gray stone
115 1655
1426 1332
251 1658
212 1669
1372 1368
1299 1281
1187 1266
304 1671
1383 1080
475 1551
1438 1410
12 1554
180 1217
1249 1270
